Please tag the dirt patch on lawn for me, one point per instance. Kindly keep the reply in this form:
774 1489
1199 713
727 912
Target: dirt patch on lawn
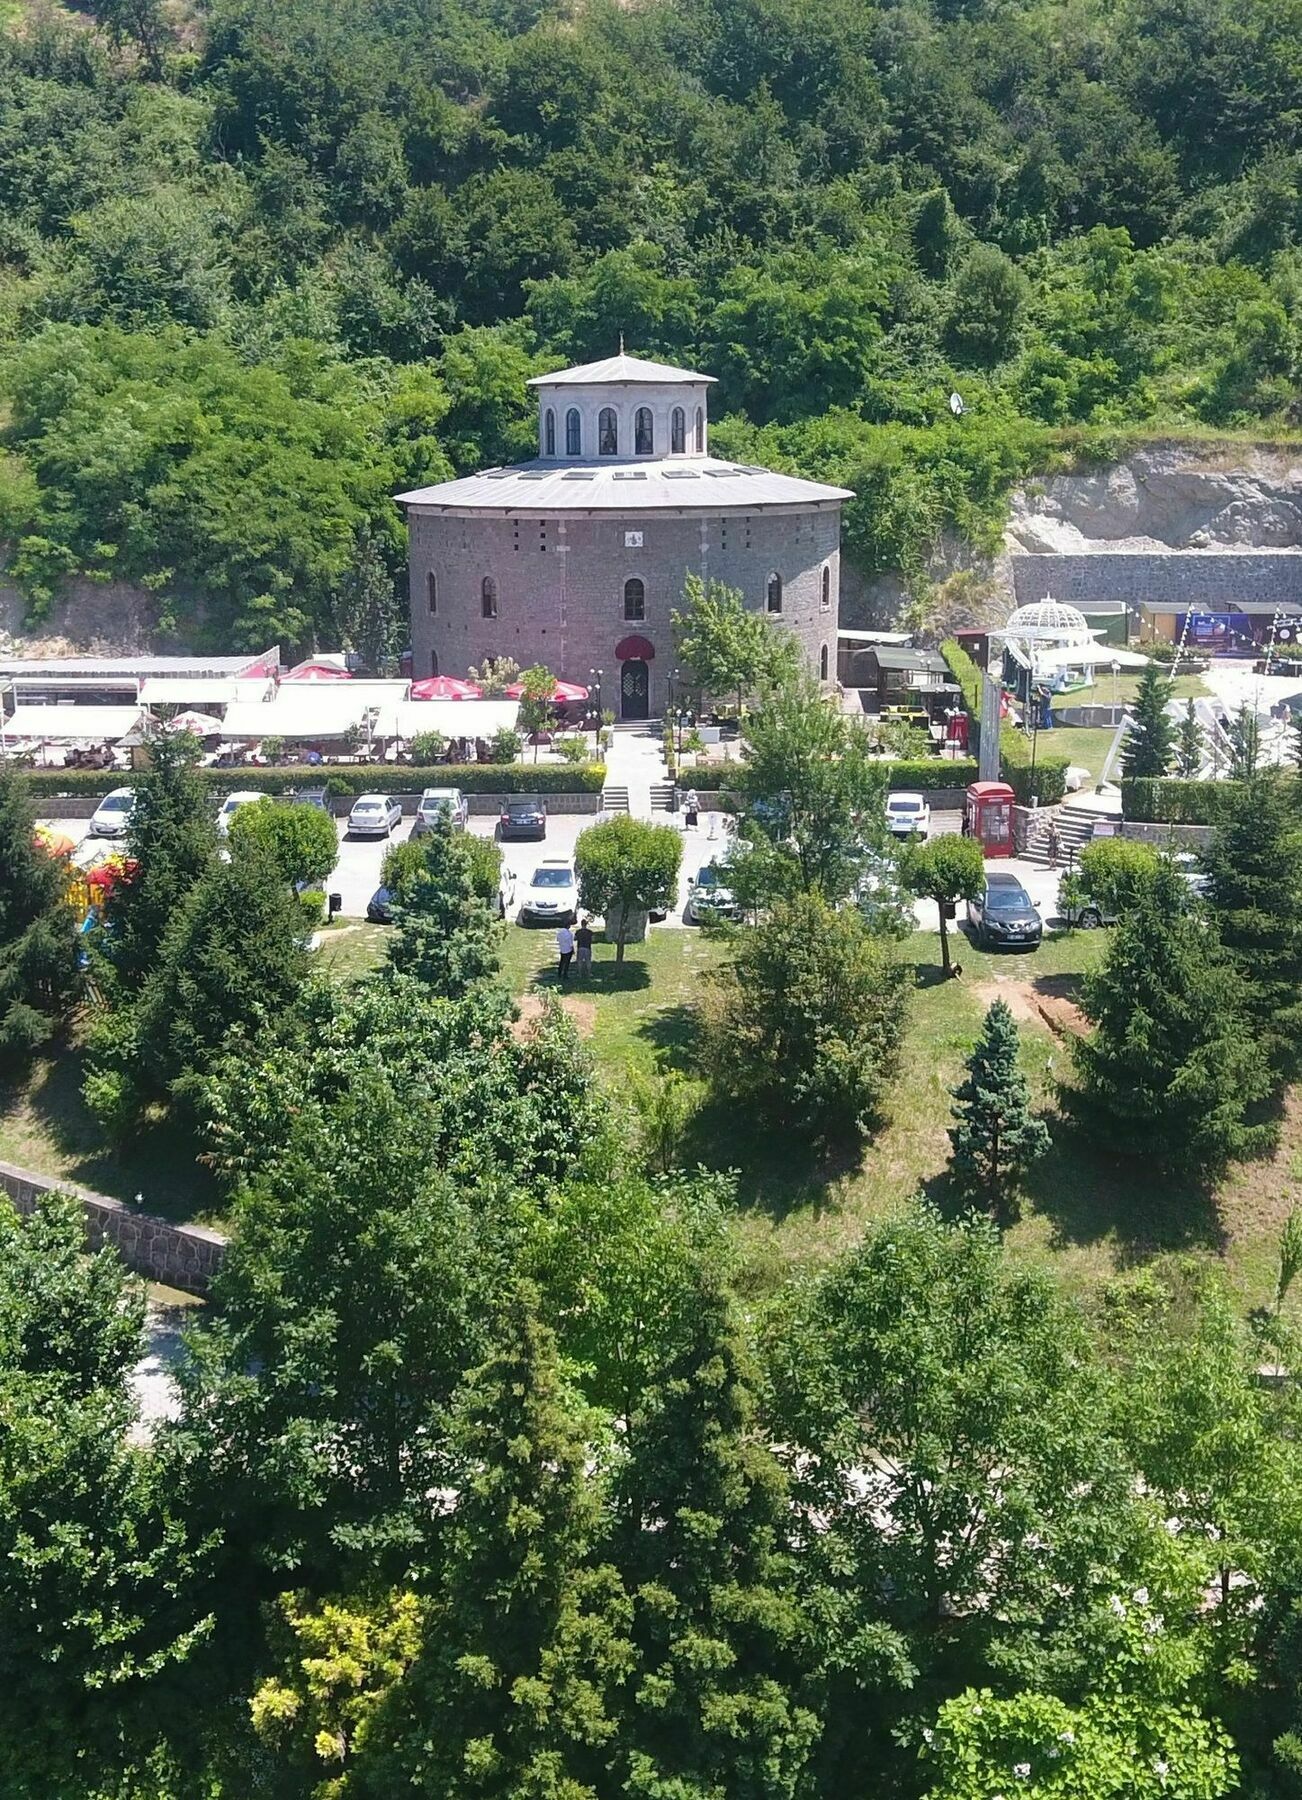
1049 1001
583 1013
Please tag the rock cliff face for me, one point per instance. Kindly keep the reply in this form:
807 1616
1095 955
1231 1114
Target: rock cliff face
1166 497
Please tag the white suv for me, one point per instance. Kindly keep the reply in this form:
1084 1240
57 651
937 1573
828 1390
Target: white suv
907 814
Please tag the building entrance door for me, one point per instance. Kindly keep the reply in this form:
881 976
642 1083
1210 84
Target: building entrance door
634 690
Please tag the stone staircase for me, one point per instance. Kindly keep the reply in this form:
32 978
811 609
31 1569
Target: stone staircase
1075 829
614 799
662 796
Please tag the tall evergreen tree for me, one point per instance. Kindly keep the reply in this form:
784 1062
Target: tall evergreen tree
1254 866
1151 741
172 839
446 934
528 1641
1189 745
1174 1062
1245 744
996 1137
38 932
714 1707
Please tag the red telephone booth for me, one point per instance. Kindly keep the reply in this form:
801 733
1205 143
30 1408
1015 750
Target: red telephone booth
988 816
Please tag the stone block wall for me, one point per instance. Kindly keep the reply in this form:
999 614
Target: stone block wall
180 1256
560 586
1179 579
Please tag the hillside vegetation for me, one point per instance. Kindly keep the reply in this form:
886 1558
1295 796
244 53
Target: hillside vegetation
260 271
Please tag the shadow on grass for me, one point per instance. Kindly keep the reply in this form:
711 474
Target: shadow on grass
159 1165
630 977
778 1173
675 1034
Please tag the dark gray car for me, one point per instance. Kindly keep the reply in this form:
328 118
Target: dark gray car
1004 915
523 816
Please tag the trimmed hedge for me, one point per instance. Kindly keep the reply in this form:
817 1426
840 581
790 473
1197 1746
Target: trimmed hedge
1165 800
471 778
934 773
1014 748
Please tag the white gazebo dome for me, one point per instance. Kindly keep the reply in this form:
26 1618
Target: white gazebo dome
1049 621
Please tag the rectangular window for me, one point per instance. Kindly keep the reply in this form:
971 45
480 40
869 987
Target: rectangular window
432 592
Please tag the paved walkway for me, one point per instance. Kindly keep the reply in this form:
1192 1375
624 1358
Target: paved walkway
635 760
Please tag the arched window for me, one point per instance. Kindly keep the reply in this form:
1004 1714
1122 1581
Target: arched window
432 592
433 662
822 663
573 433
643 432
700 431
634 599
827 587
677 431
488 598
774 592
607 432
549 432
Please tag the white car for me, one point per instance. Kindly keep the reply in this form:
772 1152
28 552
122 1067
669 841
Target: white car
434 801
907 814
551 895
374 815
112 816
231 805
505 892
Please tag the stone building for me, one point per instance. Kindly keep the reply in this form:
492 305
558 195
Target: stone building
577 558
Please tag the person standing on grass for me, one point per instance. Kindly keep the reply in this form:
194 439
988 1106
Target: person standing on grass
583 947
564 953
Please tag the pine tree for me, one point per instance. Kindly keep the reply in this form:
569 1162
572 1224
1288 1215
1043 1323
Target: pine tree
705 1511
996 1137
1245 745
1189 745
1295 729
1174 1063
528 1640
446 934
1149 745
1254 865
172 839
38 931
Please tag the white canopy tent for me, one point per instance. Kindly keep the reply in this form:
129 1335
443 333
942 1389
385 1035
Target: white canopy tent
71 724
202 691
457 718
1048 657
332 710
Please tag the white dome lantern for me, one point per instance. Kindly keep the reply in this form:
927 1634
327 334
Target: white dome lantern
1049 621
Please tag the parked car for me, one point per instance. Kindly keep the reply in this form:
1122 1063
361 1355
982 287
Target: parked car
374 815
450 801
379 907
231 805
112 816
505 892
551 895
1091 913
709 897
907 815
1193 874
319 797
523 816
1004 914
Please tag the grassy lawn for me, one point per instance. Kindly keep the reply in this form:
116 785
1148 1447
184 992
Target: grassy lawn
1090 1213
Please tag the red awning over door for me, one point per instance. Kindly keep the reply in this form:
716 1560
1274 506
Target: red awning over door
635 649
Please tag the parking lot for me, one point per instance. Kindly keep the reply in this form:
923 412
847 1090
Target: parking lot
357 873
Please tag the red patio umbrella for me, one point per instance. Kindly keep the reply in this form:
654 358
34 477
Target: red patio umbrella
310 671
445 687
560 694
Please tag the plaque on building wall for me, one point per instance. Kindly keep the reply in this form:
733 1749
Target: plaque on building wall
632 540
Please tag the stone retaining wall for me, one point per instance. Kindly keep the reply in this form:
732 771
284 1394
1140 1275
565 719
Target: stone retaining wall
1176 578
1166 837
179 1256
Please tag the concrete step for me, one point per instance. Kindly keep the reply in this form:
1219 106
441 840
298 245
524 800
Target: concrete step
1075 829
662 796
614 799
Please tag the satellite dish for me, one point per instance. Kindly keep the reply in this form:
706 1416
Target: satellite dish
956 405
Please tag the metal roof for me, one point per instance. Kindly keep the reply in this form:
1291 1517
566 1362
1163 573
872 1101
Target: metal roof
620 368
676 484
130 668
897 656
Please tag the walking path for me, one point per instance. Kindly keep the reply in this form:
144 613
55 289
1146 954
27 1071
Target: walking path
635 761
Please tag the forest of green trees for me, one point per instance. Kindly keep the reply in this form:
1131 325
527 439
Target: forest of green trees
263 264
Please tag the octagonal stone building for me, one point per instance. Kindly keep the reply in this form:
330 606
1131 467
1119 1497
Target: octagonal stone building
577 558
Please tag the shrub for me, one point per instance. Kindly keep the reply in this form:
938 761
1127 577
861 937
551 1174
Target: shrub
931 773
505 745
427 748
572 750
1166 800
471 778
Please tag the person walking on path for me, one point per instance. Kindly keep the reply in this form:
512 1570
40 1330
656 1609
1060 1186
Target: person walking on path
583 949
1055 848
564 954
692 809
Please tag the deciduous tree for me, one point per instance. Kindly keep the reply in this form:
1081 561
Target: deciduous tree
627 866
39 973
726 648
945 869
447 934
298 841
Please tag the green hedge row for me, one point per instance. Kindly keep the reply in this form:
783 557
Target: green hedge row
472 778
934 773
1050 773
1163 800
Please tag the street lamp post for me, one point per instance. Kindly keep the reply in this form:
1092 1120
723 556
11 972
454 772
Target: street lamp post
678 713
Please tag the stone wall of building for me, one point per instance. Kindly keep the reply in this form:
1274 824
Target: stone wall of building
1180 579
180 1256
560 586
